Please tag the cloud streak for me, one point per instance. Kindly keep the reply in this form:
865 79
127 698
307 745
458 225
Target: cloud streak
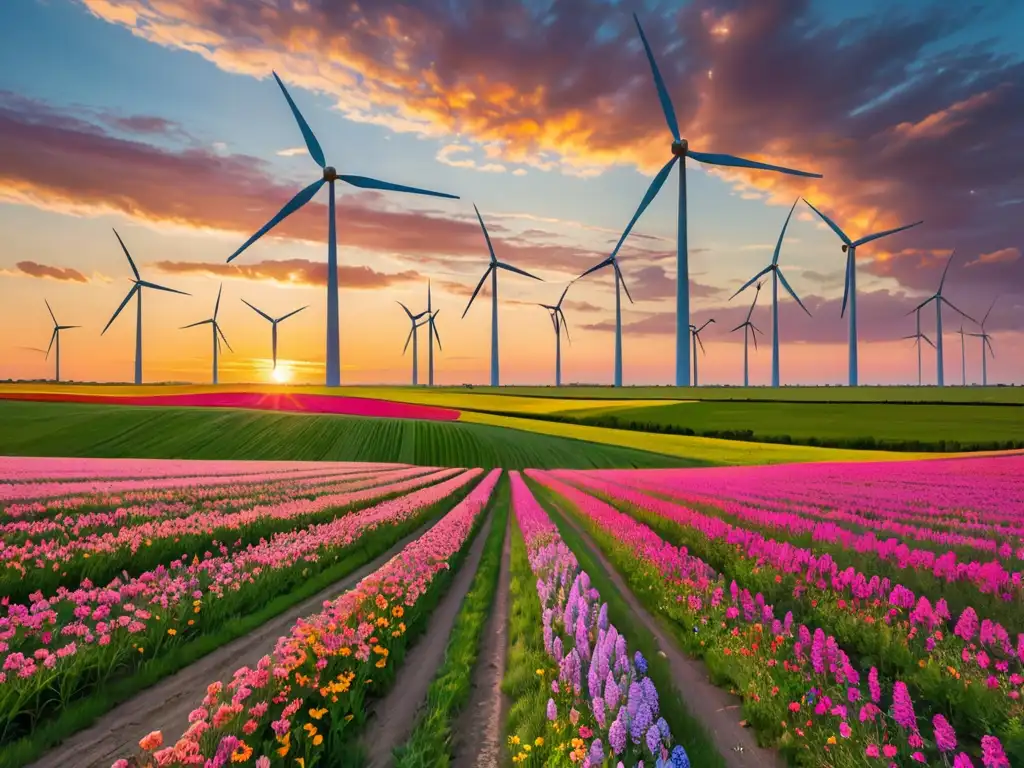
294 272
45 271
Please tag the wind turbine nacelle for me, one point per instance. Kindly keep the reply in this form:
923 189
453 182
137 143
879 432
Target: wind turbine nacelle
330 174
680 148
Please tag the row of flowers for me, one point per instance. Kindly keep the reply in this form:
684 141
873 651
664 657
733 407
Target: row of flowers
299 704
801 688
58 647
601 705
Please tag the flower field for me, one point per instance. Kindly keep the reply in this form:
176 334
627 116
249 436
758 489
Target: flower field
865 614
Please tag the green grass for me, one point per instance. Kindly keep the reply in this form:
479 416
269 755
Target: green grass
885 423
686 729
783 394
430 743
66 429
84 712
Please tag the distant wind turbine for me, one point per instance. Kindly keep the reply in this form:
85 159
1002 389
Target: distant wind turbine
492 269
432 336
329 177
218 334
680 151
963 356
137 287
986 340
939 299
57 328
777 276
750 331
273 325
917 337
558 321
695 331
850 287
620 282
415 323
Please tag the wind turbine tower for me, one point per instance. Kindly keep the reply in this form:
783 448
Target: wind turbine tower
273 325
138 285
939 300
750 331
986 341
329 176
558 321
918 336
695 332
415 323
850 288
432 336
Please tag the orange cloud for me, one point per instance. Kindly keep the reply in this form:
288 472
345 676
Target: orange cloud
298 272
1002 256
64 274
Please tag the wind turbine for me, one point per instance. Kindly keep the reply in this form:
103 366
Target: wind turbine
939 299
137 287
750 331
492 269
986 340
558 321
917 336
432 336
273 325
215 329
415 322
57 328
777 276
963 357
329 177
680 151
620 282
696 337
850 287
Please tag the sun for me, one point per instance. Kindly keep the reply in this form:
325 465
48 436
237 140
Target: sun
281 374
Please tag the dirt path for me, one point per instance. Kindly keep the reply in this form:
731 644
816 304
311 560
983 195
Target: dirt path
718 710
393 717
165 706
477 732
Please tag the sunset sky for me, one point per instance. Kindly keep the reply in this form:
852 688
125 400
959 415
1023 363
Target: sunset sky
160 118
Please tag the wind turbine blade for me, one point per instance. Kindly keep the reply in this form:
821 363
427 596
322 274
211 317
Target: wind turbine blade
293 312
219 331
193 325
53 336
130 262
433 325
562 297
886 233
754 337
985 318
365 182
782 234
565 325
758 330
832 225
988 343
920 306
598 266
406 310
622 280
127 298
946 270
303 197
487 237
952 306
478 287
408 338
791 292
67 327
697 337
846 284
311 143
517 270
652 191
258 311
706 324
750 282
146 284
659 83
732 161
216 306
741 325
50 311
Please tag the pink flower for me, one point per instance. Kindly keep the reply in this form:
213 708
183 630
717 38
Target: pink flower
871 750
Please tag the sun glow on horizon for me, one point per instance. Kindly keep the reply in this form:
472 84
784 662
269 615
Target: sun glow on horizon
281 375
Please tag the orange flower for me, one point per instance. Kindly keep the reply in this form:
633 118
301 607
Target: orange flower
152 741
242 753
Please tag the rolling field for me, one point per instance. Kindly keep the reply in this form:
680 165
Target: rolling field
854 609
65 429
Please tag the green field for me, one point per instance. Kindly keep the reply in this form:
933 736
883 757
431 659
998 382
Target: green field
66 429
826 422
1011 395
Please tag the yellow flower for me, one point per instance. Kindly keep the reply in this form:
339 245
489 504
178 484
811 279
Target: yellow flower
831 739
539 741
282 751
242 753
318 740
527 748
141 649
540 672
316 714
310 729
172 632
301 761
348 718
380 664
398 611
513 739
